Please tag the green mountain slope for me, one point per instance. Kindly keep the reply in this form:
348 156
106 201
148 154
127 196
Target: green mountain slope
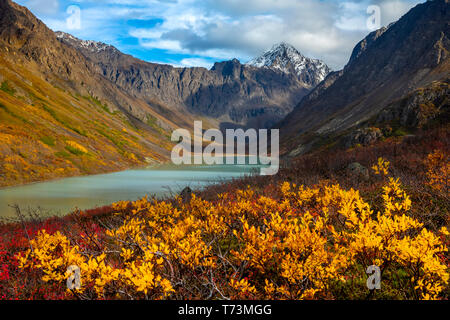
59 116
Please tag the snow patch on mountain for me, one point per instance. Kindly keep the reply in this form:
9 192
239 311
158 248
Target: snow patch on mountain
284 57
90 45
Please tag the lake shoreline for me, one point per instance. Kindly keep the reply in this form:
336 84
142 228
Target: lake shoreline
65 195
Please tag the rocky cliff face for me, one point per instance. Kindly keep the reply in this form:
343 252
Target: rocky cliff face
364 44
59 116
385 67
23 34
234 93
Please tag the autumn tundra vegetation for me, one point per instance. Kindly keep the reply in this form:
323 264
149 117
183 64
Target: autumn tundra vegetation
43 138
309 232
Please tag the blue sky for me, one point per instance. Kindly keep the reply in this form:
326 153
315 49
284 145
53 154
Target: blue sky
200 32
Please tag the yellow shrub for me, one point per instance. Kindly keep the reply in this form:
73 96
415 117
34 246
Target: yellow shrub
77 146
438 166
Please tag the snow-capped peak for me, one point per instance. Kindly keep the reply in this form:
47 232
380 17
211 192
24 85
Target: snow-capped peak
288 59
90 45
269 58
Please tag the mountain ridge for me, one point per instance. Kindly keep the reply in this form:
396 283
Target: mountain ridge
68 111
59 116
234 93
392 64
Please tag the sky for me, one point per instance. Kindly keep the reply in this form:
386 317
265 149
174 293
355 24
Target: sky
200 32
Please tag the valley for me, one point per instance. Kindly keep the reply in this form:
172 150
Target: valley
70 107
361 185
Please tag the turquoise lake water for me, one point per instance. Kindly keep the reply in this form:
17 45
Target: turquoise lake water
63 196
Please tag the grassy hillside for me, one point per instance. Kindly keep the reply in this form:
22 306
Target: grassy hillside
48 132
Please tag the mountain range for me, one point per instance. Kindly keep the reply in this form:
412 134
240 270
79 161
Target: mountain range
233 93
70 106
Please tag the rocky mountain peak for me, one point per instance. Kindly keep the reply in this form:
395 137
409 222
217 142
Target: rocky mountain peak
90 45
230 68
286 58
19 27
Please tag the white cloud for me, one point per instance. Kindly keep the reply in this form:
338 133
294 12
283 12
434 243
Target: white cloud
321 29
173 46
